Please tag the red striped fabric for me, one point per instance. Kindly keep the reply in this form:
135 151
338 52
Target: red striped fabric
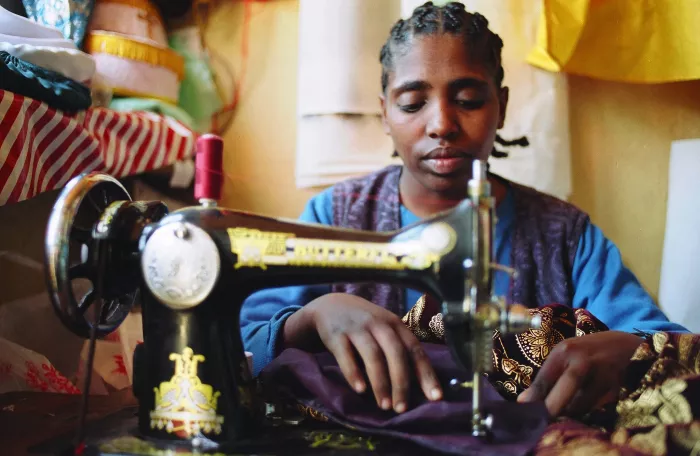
41 148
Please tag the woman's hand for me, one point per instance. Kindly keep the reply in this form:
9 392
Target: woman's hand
348 324
582 373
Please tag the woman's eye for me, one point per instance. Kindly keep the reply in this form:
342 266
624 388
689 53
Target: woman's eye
411 107
471 104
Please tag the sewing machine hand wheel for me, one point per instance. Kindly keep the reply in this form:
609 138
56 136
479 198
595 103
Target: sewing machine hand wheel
74 252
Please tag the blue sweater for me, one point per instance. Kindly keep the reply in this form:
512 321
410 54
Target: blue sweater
603 284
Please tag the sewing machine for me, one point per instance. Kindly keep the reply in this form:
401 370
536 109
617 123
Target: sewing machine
192 269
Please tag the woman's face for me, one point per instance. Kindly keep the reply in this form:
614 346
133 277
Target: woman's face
442 111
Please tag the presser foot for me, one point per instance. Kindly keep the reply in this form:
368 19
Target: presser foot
481 423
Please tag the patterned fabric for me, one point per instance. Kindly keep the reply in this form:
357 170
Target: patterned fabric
656 412
371 203
22 369
517 358
546 236
71 17
41 149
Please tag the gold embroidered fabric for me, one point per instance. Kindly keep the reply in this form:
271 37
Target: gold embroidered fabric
312 413
516 358
658 407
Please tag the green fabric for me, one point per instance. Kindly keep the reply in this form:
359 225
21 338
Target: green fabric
198 92
156 106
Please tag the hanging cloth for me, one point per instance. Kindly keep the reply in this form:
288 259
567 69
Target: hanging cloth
636 41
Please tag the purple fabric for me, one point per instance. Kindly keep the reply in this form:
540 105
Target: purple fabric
545 239
315 380
371 203
547 233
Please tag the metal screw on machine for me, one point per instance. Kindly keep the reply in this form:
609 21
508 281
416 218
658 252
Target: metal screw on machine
181 232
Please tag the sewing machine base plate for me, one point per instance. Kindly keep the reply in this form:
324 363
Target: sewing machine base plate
116 435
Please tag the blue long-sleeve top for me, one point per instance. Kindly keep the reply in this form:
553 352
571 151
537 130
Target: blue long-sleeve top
603 284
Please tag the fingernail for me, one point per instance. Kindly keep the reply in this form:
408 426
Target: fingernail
400 407
386 404
524 396
435 394
359 387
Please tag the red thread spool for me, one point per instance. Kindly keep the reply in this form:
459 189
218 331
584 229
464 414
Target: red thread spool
209 176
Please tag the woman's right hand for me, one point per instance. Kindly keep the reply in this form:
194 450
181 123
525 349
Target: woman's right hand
348 324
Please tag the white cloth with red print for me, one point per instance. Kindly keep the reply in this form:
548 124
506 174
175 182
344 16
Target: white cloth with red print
22 369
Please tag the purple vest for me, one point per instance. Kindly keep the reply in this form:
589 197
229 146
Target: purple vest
546 235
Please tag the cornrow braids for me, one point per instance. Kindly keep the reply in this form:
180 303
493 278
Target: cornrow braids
451 18
520 142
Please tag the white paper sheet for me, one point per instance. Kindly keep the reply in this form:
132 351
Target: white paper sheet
679 286
339 44
538 107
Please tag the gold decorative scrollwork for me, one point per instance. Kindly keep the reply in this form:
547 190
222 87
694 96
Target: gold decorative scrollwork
184 405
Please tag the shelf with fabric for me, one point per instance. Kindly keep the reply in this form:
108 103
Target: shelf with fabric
41 148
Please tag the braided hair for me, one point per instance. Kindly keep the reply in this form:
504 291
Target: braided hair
451 18
428 19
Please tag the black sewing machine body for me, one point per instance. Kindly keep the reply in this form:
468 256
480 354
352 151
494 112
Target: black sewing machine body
193 269
233 254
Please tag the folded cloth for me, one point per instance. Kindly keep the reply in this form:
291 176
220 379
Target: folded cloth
47 42
657 411
15 25
517 358
658 406
59 92
71 63
70 17
316 383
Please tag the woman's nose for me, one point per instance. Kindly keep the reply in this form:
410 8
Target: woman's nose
442 122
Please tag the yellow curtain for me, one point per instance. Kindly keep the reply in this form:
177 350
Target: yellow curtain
638 41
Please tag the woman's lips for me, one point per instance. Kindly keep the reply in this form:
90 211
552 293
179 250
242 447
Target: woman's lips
446 165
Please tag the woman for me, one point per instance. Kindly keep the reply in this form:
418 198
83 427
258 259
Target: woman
442 102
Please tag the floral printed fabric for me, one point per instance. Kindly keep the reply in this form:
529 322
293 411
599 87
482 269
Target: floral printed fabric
657 411
71 17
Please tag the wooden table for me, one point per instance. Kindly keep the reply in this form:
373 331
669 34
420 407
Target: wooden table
45 423
27 419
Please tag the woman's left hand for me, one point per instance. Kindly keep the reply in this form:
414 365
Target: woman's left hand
581 373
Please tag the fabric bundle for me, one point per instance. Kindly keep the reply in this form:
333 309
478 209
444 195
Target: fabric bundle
39 62
70 17
128 41
657 410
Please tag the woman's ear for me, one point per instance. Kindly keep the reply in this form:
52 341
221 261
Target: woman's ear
385 124
502 104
